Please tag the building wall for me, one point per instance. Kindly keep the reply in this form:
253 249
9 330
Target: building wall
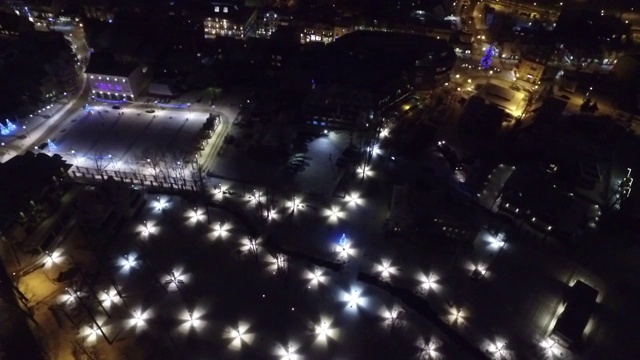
529 71
119 87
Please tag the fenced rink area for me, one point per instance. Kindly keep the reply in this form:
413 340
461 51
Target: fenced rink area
194 284
126 138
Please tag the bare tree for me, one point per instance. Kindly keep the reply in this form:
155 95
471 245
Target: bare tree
153 161
101 162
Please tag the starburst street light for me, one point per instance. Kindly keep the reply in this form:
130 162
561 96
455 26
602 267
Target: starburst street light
551 348
220 230
287 352
353 199
385 269
160 204
323 331
498 349
428 349
195 216
52 258
128 262
240 335
427 282
334 214
354 299
315 277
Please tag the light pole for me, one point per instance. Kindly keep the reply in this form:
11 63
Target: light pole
24 127
177 281
253 246
74 294
73 152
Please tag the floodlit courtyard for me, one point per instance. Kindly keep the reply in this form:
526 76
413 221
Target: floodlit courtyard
100 137
181 282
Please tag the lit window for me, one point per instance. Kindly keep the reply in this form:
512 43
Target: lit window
225 9
217 9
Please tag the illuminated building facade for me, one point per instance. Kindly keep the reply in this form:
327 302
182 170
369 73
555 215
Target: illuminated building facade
229 20
111 80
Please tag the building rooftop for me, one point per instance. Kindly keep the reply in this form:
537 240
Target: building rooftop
505 98
103 63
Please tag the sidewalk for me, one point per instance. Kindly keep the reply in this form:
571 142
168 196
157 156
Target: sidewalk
33 136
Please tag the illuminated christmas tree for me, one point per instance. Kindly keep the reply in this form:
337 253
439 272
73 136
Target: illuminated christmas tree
487 59
51 145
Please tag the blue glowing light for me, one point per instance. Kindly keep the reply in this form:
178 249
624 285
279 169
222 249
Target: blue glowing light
487 59
51 145
10 126
4 130
343 240
174 106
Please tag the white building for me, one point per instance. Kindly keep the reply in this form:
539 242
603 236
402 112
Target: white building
111 80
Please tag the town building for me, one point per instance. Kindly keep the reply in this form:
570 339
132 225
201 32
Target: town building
228 19
531 67
112 80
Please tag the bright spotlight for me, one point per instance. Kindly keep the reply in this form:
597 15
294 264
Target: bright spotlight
288 352
160 204
428 349
315 277
323 332
354 199
220 230
128 262
353 299
138 319
385 269
427 282
239 335
195 216
52 258
334 214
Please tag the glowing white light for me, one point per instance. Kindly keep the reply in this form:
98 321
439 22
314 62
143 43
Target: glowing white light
316 277
138 319
496 242
128 262
147 228
428 349
353 299
428 282
195 216
385 269
345 249
392 317
108 298
364 171
175 279
324 332
456 315
240 335
160 204
250 245
334 214
498 349
551 348
354 200
288 352
220 230
52 258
